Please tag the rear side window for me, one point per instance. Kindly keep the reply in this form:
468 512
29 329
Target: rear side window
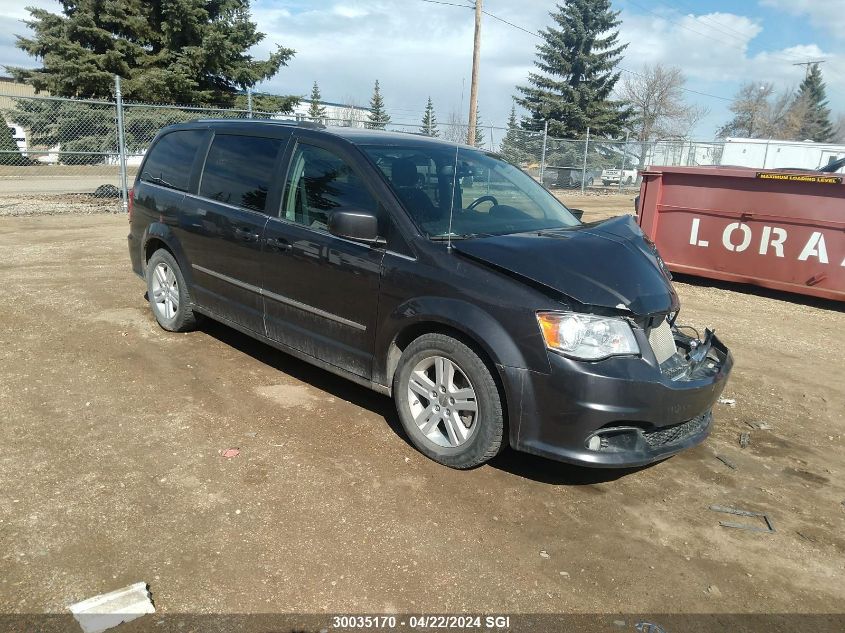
170 160
239 170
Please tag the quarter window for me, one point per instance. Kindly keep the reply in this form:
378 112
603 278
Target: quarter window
239 170
171 159
320 182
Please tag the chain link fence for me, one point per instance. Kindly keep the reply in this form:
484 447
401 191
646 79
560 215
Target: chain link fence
71 147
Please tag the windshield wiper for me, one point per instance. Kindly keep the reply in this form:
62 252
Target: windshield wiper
833 166
454 236
157 180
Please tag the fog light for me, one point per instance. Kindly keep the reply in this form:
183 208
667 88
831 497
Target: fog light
594 443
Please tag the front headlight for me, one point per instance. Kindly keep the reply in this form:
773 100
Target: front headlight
586 336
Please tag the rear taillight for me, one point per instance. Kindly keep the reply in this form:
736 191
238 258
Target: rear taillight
130 199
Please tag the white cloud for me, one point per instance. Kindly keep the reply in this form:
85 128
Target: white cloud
418 49
828 15
713 51
346 11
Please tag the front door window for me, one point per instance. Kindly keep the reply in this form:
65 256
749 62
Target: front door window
320 182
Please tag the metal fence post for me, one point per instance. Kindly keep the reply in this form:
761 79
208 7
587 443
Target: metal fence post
766 155
584 170
543 156
249 103
121 145
624 159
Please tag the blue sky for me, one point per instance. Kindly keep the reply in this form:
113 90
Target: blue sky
417 49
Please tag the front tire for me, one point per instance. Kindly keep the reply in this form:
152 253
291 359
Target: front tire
448 402
168 293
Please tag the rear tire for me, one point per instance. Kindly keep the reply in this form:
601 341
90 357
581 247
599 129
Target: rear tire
168 293
448 402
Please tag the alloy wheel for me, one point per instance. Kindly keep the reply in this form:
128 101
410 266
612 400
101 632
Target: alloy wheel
442 401
165 289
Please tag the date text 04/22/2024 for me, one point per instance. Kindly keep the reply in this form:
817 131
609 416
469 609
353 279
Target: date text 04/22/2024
359 622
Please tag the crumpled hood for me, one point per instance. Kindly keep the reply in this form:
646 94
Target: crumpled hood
607 264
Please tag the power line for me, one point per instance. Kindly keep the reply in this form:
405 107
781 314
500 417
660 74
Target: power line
516 26
706 21
807 65
693 8
538 36
630 72
705 35
448 4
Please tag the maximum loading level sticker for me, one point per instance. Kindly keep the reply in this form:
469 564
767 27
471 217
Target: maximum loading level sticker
778 175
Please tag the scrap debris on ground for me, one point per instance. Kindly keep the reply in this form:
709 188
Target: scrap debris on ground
105 611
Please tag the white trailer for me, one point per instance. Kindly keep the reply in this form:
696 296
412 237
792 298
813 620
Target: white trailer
773 154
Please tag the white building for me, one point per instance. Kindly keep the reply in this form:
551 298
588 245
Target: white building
336 113
19 134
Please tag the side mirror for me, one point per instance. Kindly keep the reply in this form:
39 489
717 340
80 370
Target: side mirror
578 213
354 224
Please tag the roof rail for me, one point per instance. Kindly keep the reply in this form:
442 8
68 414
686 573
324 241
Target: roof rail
311 125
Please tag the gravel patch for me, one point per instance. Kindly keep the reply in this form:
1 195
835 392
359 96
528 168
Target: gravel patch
59 204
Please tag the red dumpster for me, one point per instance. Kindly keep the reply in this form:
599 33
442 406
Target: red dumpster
776 228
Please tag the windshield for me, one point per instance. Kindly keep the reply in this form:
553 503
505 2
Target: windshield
486 195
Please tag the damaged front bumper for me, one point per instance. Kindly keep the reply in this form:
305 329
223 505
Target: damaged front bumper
619 412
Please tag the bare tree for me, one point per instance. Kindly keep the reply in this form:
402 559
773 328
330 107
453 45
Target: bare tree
759 112
455 130
352 114
786 117
751 110
657 98
839 135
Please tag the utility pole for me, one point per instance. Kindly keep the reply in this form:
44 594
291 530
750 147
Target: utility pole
807 65
473 90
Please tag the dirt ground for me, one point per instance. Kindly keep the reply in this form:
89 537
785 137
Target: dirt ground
111 468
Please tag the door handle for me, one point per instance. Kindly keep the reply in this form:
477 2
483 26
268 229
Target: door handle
246 234
278 244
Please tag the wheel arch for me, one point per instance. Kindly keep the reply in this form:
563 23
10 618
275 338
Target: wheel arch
159 236
413 331
462 320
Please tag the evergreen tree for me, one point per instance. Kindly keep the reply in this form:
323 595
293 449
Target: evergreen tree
378 117
167 51
479 131
9 152
811 100
515 142
86 132
272 104
577 60
429 120
316 112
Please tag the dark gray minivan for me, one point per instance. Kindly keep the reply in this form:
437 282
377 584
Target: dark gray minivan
438 274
